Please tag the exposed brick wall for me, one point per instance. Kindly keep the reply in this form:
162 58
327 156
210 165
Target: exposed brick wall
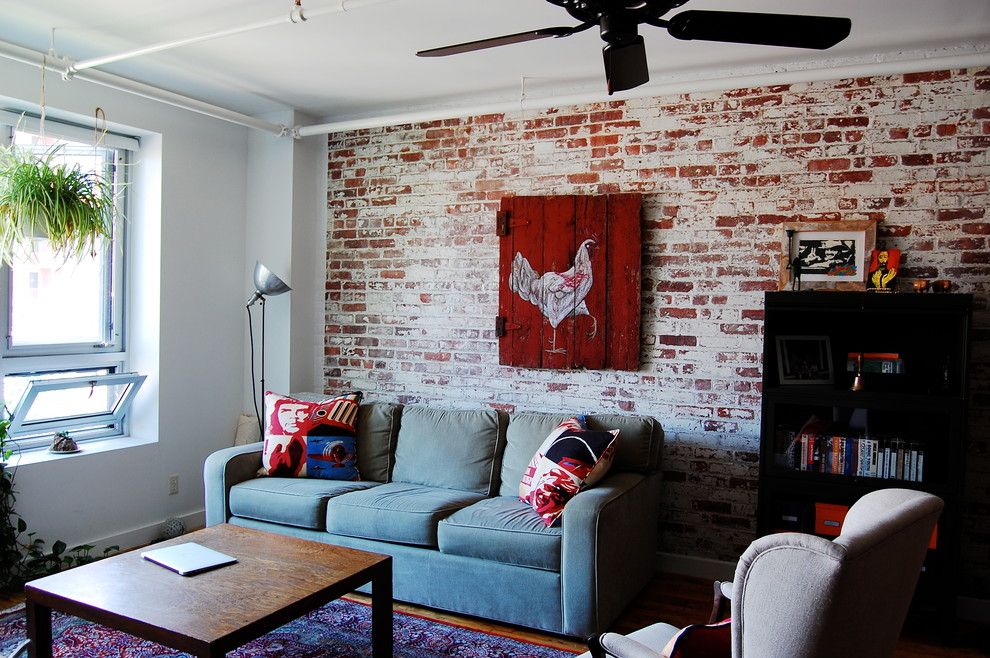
412 287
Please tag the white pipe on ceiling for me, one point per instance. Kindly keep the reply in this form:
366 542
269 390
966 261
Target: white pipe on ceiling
289 17
665 89
34 58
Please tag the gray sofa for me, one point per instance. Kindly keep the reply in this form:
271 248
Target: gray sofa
440 497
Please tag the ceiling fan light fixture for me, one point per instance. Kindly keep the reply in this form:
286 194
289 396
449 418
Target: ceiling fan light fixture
625 65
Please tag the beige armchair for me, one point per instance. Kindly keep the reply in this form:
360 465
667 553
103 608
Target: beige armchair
802 596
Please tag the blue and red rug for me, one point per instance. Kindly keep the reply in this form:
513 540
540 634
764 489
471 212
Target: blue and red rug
341 629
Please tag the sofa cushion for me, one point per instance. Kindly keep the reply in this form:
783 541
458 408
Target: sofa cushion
396 512
449 449
310 439
637 449
300 502
503 529
377 431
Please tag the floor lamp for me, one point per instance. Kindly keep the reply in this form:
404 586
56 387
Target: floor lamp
266 284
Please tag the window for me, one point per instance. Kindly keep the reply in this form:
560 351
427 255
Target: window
63 358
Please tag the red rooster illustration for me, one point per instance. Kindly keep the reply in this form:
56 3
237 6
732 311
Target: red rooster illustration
557 294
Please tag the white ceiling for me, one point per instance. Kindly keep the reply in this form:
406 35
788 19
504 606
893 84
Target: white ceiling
361 62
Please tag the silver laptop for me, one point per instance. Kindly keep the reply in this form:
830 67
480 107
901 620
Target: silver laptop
189 558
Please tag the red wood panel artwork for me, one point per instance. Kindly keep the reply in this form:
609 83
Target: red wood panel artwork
623 276
562 280
569 281
526 233
590 328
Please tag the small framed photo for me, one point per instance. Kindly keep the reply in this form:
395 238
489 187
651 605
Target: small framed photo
826 254
804 360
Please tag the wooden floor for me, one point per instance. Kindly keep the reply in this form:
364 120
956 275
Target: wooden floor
680 600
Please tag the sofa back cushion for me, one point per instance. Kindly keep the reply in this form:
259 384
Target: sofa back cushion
377 431
638 445
450 449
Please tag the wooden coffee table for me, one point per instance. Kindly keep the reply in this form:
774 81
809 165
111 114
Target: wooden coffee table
276 579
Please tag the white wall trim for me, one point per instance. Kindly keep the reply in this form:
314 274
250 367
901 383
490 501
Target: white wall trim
146 534
697 567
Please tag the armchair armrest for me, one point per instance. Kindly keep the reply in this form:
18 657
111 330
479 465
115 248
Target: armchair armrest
619 646
222 470
608 549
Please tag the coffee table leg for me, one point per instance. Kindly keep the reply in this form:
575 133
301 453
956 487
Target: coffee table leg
381 612
39 630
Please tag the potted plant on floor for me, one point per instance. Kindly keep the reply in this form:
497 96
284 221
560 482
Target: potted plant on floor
10 524
43 197
21 561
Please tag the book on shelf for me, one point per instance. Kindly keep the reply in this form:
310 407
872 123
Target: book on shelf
875 362
859 456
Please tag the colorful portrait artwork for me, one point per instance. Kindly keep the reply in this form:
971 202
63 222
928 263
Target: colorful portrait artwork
571 458
311 439
884 264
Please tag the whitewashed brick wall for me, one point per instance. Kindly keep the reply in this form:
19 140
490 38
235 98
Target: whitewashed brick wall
412 271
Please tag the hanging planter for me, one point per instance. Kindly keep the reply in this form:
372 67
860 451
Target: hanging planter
40 197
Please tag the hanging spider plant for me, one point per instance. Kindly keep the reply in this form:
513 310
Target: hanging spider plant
40 197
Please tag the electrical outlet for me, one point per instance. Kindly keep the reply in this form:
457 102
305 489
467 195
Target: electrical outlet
173 484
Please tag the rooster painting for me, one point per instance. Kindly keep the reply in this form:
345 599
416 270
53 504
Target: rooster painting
558 295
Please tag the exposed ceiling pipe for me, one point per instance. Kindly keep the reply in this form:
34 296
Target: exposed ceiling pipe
974 60
34 58
289 17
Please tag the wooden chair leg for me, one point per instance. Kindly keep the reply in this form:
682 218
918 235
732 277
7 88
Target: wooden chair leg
721 605
595 646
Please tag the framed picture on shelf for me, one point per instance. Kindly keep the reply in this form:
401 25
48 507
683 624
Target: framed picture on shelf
804 360
830 255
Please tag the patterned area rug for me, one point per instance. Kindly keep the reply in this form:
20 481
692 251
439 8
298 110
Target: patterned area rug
341 629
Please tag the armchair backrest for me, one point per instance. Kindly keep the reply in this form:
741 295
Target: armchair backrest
802 596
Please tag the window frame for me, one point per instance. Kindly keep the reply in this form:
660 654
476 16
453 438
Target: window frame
114 417
111 352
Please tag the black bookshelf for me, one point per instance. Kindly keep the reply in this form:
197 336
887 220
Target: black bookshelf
917 405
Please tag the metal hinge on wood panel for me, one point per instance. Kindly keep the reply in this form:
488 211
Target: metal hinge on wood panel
504 223
502 326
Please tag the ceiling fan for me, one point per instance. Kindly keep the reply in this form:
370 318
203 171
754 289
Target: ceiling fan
625 52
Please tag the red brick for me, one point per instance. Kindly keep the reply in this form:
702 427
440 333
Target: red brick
831 164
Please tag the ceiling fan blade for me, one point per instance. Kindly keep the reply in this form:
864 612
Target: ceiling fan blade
505 40
625 65
819 32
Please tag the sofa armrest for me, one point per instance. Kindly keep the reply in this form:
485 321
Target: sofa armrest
609 549
224 469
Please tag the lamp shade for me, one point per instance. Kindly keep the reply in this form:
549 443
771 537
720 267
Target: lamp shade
266 283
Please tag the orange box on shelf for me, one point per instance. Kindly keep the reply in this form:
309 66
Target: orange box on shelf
829 518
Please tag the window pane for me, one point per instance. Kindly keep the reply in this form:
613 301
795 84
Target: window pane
15 385
54 301
75 402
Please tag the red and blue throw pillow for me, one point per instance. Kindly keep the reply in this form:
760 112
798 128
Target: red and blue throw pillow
311 439
570 459
701 641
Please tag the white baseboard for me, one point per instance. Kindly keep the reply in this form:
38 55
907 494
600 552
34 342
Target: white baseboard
697 567
144 535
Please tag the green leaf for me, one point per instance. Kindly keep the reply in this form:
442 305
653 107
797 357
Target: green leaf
58 548
21 525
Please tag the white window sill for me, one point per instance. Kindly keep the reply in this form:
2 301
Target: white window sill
42 455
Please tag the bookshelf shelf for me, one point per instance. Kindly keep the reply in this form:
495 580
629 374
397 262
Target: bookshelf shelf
919 412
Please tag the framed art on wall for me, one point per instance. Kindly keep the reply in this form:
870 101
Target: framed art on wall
804 360
826 254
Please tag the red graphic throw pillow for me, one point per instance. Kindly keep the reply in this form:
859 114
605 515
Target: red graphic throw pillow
311 439
570 459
